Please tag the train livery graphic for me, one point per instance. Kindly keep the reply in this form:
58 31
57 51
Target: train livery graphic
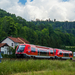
35 51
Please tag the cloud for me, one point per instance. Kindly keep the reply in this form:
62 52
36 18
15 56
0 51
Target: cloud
41 9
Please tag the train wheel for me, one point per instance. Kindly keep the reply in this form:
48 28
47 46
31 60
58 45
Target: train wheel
70 58
25 56
55 57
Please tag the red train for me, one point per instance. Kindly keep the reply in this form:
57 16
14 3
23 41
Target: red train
28 50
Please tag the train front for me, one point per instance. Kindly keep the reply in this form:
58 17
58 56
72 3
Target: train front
20 51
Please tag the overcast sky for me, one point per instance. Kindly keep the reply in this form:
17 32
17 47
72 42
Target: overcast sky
61 10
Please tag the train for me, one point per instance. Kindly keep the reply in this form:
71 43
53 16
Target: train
36 51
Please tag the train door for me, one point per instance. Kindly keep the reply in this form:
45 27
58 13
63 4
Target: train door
55 52
60 54
28 50
47 52
70 54
51 53
38 52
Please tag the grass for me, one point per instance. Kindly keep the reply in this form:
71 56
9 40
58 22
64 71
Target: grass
57 72
37 67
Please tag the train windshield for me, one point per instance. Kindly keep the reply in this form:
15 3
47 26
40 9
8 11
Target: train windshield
21 48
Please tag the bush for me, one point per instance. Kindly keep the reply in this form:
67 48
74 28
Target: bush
10 55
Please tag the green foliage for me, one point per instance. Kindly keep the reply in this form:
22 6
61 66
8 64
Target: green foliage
47 33
11 66
9 26
10 55
53 72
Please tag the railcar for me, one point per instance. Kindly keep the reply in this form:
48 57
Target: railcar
45 53
27 50
63 54
35 51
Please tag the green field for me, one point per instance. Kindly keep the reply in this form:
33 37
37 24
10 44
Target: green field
37 67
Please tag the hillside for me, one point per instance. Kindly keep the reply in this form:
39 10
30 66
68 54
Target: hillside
45 33
65 27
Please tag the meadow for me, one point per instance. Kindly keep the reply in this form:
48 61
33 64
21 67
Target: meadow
37 67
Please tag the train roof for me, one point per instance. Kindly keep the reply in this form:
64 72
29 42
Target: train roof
63 50
45 48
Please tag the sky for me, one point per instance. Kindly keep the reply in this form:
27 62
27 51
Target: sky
61 10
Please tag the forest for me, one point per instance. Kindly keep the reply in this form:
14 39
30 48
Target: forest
46 33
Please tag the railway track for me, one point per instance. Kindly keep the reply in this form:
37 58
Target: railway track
73 60
20 59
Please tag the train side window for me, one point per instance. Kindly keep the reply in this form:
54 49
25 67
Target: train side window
43 53
51 51
60 53
66 54
33 49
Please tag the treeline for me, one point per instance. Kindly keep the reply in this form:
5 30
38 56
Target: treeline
65 27
45 33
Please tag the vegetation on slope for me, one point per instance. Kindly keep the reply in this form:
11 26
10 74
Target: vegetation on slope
45 33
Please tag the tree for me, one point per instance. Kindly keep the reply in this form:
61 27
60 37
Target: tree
9 26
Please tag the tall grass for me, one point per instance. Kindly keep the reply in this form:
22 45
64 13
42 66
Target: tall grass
16 66
53 72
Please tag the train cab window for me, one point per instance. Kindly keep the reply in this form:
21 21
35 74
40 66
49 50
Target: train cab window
70 54
51 51
21 48
33 49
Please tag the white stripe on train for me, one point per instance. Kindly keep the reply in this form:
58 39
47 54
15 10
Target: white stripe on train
37 56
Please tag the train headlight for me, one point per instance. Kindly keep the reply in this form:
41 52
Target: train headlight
28 51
